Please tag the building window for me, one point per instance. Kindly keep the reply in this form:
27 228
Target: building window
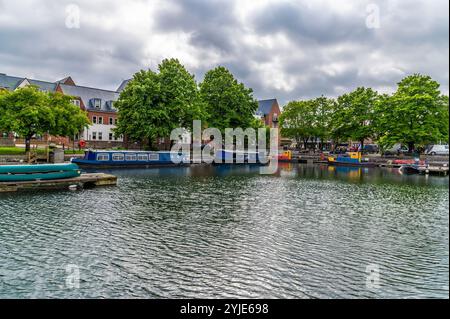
110 136
275 117
97 103
76 102
111 104
100 120
94 120
94 135
111 121
100 136
116 121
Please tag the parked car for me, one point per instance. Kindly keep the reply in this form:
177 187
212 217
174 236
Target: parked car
397 149
437 150
340 149
369 149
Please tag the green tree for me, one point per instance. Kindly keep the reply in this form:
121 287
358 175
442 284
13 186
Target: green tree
228 103
322 108
179 93
29 112
416 113
354 115
69 118
153 104
296 121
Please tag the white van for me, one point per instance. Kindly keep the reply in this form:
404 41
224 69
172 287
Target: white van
437 150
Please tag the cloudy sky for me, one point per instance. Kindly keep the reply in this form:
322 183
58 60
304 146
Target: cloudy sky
285 49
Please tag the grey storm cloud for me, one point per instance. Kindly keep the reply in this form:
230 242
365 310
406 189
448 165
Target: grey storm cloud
305 24
285 49
210 23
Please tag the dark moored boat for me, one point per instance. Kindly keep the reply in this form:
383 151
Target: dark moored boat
131 159
239 157
410 169
23 173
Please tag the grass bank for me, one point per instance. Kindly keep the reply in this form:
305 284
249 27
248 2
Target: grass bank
10 150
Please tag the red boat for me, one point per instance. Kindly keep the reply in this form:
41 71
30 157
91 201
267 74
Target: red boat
407 162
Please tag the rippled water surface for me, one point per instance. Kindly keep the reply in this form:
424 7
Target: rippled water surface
306 232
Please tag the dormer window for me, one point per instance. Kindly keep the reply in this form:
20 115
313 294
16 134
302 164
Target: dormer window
96 103
76 102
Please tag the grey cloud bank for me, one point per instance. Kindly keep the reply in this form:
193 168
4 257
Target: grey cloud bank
284 49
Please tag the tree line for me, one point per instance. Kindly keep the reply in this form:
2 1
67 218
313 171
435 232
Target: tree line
155 102
416 114
28 112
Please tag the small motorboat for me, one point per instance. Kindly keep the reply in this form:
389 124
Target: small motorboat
410 169
23 173
350 159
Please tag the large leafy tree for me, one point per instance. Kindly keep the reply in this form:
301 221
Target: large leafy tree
296 121
354 115
28 112
69 119
153 104
416 113
179 93
322 108
228 103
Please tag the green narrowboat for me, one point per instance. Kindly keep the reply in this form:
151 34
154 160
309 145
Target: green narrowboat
23 173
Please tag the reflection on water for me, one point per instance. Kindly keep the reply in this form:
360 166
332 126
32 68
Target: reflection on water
227 231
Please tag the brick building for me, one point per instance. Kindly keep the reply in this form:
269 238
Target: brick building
98 103
269 111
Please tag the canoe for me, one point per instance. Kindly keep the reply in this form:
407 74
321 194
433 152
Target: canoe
21 173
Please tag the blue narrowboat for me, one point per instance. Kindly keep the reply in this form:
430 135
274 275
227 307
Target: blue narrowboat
239 157
24 173
131 159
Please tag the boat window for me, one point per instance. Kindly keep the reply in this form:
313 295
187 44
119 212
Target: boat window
103 157
130 157
153 157
142 157
118 157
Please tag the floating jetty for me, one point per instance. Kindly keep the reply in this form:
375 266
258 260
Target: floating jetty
80 182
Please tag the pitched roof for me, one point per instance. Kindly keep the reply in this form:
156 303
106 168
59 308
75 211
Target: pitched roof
47 86
88 94
265 106
123 85
9 82
67 80
12 82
